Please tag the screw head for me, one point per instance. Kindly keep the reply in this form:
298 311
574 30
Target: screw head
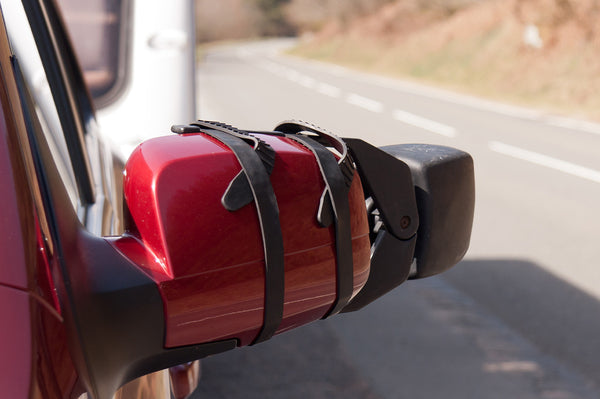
405 222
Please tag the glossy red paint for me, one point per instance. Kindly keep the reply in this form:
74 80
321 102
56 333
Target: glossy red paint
35 362
208 261
16 343
54 371
12 270
25 258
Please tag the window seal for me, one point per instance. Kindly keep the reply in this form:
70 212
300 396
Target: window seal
70 94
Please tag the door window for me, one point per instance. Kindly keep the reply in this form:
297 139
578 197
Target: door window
97 29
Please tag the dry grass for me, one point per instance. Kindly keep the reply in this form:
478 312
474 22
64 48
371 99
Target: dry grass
479 49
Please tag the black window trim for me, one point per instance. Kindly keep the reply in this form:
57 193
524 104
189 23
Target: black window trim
68 89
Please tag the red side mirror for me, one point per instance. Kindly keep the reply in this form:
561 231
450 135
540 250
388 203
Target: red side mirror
233 237
208 261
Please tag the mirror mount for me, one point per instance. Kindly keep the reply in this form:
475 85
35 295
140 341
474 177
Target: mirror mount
119 317
444 186
421 203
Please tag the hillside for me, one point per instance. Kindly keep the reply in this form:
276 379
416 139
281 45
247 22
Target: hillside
543 53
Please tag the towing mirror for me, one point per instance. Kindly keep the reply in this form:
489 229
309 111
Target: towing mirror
234 236
421 200
444 185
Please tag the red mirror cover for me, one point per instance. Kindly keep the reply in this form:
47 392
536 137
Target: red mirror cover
208 261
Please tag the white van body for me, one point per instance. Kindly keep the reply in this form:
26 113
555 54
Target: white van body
146 50
160 89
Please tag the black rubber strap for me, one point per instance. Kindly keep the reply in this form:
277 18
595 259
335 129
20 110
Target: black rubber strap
262 148
239 194
268 216
326 138
336 197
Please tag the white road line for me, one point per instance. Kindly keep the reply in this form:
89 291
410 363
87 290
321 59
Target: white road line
292 75
329 90
243 53
271 67
544 160
301 79
573 124
435 93
307 82
424 123
364 102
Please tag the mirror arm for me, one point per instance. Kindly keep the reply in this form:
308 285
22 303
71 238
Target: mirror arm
394 219
116 304
422 201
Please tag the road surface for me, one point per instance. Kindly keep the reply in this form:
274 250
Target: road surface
519 317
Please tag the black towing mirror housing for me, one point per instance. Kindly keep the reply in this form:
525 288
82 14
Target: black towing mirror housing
444 183
421 200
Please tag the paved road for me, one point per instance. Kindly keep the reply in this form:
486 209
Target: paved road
520 317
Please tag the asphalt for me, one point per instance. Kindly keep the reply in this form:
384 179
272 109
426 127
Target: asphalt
519 317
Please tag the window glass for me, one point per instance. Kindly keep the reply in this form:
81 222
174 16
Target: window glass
24 47
96 30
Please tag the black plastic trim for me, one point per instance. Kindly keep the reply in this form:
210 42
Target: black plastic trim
391 260
444 186
388 181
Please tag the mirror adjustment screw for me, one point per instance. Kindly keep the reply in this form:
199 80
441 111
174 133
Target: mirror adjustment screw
405 222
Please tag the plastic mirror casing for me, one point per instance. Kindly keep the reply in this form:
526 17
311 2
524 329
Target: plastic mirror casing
444 183
422 202
208 261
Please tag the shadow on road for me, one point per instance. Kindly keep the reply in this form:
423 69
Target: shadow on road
304 363
555 316
487 328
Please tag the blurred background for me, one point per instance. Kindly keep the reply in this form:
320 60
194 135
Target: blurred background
541 52
513 82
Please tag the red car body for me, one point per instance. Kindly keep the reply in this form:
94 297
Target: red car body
36 354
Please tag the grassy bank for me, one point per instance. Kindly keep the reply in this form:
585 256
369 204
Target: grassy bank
478 49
